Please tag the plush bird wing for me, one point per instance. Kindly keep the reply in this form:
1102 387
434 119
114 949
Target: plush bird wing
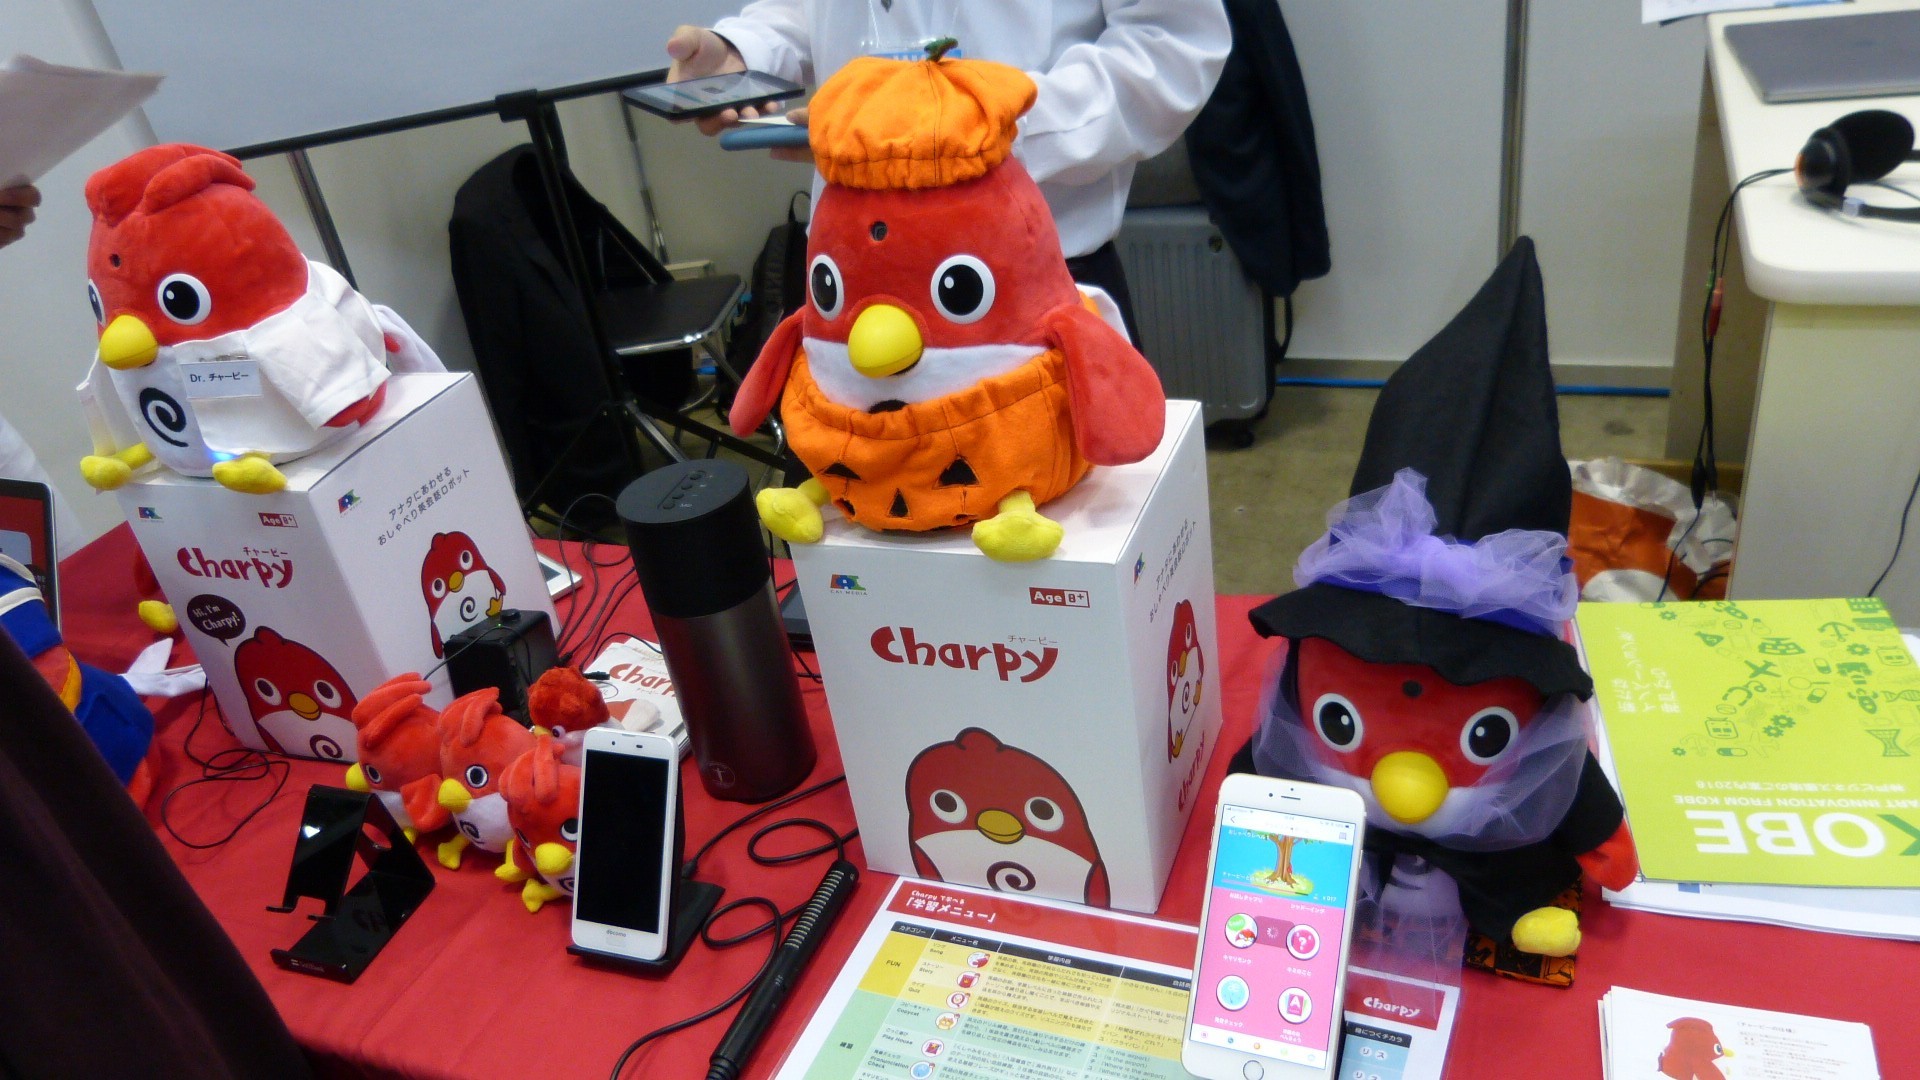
1119 409
330 365
108 421
760 390
423 804
407 352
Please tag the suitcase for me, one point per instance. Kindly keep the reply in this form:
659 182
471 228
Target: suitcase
1206 327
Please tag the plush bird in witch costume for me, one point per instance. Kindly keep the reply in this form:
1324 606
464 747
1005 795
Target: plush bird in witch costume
945 371
1425 667
222 349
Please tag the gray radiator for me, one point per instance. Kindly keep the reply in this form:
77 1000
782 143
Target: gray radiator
1201 320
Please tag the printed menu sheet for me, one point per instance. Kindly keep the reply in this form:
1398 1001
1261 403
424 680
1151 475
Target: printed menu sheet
951 983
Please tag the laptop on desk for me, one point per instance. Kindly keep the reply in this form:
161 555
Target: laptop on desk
1846 56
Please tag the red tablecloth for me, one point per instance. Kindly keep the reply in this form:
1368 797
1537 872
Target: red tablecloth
474 986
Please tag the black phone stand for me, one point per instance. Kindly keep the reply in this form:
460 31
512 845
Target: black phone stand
355 924
693 901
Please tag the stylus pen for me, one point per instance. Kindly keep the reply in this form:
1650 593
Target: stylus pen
784 971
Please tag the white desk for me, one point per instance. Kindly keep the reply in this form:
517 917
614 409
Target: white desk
1835 438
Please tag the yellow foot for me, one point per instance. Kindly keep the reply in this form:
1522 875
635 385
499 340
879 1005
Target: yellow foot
159 617
104 473
536 893
1017 533
507 871
250 474
1549 931
449 851
793 514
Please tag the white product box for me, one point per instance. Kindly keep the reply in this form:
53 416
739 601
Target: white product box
381 547
1034 727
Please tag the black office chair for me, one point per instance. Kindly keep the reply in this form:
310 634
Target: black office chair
567 412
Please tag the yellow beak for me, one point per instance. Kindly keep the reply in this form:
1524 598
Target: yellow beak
551 859
308 708
357 778
999 826
1409 785
885 341
453 796
127 343
454 581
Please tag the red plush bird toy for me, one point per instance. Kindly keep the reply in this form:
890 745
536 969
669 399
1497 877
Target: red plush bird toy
542 791
222 349
398 753
946 370
477 743
1426 668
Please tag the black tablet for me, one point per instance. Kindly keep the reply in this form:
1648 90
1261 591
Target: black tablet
26 534
690 98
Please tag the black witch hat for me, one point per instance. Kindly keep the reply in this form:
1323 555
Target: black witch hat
1476 586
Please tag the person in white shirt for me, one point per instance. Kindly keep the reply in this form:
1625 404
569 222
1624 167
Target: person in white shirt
17 459
1118 82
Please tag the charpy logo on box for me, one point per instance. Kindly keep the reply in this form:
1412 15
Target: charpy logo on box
903 646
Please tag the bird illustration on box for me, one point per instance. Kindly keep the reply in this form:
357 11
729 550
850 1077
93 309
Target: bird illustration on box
1693 1051
477 742
298 701
222 349
1186 677
946 370
397 753
980 812
461 590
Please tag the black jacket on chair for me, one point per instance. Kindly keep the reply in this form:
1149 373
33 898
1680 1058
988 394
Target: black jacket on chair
1254 157
532 345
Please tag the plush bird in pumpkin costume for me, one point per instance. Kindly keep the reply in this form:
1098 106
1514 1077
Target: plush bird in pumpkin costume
222 349
1425 666
945 371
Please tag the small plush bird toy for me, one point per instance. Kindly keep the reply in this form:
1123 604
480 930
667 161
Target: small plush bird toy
945 371
542 791
1426 668
222 349
397 753
477 743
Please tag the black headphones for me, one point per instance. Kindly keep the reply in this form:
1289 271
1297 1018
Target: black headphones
1857 148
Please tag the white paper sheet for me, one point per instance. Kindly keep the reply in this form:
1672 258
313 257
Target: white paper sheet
47 111
1661 11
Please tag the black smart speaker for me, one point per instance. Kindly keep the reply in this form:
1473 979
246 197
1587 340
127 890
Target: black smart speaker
697 550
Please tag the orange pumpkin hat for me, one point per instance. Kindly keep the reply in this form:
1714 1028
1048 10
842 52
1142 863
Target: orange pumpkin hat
883 124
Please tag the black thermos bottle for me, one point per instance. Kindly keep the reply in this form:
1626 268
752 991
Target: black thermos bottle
702 567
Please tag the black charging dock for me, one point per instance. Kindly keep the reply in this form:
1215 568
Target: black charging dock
693 901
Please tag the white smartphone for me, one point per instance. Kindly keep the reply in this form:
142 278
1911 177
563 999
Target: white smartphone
1270 970
625 857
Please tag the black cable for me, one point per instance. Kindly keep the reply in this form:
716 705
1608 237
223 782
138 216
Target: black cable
1898 541
731 999
837 843
235 764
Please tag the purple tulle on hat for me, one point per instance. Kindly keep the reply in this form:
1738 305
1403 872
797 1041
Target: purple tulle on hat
1382 541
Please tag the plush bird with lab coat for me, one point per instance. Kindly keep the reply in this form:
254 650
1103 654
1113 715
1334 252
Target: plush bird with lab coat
222 349
946 371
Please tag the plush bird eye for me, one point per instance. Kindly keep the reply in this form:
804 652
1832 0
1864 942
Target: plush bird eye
823 281
466 560
1337 722
948 807
1487 735
476 776
184 299
373 774
1044 814
99 306
963 289
570 830
439 587
327 694
268 692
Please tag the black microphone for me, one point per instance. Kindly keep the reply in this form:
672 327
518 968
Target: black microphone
789 960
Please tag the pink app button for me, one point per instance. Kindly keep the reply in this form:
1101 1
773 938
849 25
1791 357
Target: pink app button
1295 1005
1303 942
